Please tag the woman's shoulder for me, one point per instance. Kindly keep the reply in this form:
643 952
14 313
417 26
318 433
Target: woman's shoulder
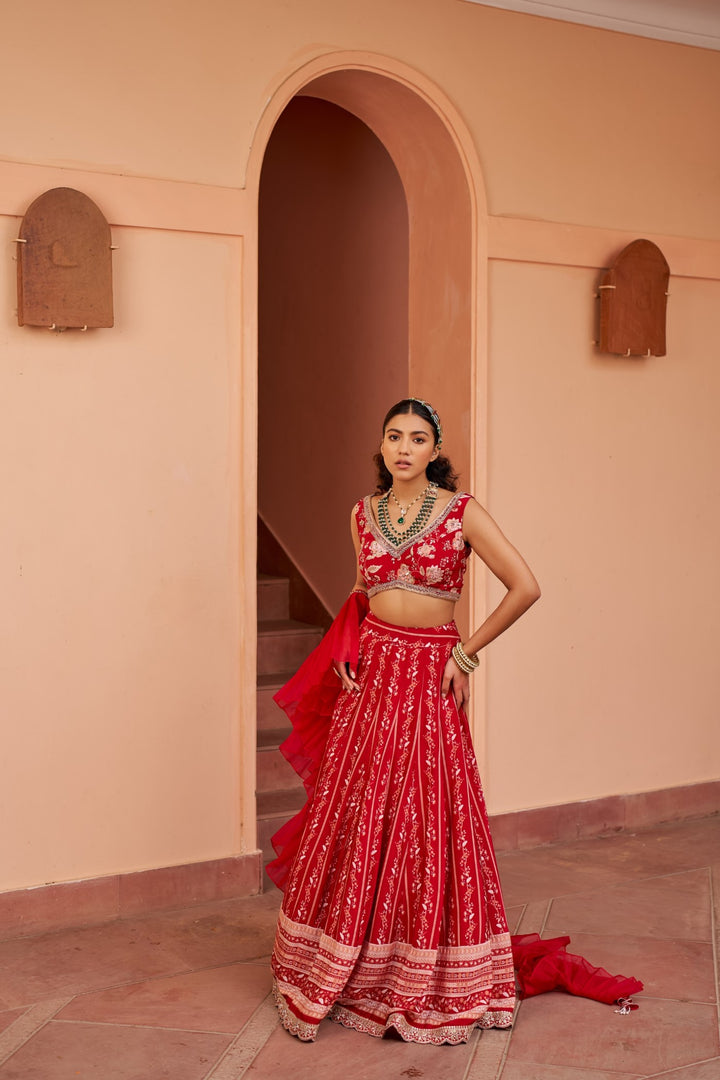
460 500
457 498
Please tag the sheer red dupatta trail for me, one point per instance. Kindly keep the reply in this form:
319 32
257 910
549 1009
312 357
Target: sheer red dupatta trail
543 965
309 699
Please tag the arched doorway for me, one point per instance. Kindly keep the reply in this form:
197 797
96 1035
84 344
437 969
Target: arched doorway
434 158
415 129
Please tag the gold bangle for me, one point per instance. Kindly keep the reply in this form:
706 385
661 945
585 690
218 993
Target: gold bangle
472 660
463 662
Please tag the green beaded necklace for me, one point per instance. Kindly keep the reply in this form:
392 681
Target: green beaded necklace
395 536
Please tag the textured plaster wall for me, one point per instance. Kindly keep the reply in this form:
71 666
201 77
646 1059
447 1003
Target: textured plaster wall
571 123
127 455
119 556
612 683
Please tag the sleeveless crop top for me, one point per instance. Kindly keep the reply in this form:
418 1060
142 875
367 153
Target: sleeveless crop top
433 562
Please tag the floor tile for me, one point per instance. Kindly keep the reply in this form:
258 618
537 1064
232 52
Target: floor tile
519 1071
557 1029
228 931
341 1052
704 1070
165 995
27 1025
514 915
73 961
490 1051
665 849
676 906
222 1000
554 871
248 1043
130 950
575 866
533 917
64 1051
682 845
715 875
682 970
9 1017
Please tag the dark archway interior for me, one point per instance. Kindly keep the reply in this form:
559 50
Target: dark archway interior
333 329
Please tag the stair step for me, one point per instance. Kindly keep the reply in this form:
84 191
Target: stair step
284 643
269 713
273 597
280 804
270 738
273 771
274 809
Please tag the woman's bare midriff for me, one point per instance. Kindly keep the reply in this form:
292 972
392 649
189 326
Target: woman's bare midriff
401 607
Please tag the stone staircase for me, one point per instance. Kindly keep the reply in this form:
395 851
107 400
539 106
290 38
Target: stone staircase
283 644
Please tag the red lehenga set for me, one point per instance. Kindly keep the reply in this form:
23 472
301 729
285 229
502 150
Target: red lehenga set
392 915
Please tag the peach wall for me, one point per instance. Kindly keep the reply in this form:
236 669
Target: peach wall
129 454
118 628
605 470
562 115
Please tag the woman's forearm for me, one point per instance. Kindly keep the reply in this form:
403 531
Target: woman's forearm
514 604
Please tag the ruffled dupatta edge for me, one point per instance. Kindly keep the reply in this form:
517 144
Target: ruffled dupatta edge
308 699
543 964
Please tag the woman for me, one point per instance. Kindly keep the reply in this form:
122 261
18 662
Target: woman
392 916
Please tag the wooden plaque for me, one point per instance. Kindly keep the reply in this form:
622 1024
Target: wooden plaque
64 263
633 302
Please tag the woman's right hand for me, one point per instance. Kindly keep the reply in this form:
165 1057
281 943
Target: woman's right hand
346 675
456 681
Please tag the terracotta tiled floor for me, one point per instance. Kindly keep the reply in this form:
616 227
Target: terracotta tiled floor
184 995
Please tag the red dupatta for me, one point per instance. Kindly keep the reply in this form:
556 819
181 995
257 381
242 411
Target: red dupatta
543 965
308 699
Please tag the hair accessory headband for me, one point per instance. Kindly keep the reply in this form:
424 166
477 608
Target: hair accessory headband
434 417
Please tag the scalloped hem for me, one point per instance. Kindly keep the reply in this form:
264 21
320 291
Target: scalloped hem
302 1029
451 1034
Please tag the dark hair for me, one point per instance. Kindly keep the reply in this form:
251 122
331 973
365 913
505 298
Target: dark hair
439 471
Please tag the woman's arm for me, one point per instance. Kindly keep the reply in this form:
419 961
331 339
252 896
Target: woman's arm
344 671
359 579
507 564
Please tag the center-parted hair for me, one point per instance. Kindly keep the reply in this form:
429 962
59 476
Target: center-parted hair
439 471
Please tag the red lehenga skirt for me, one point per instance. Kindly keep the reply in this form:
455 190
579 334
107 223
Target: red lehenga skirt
392 915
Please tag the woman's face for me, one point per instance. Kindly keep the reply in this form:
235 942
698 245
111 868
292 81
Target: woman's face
408 446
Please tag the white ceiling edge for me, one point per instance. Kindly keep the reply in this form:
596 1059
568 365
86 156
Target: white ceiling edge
689 22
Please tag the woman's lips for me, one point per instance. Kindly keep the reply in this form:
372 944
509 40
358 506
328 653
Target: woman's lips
402 464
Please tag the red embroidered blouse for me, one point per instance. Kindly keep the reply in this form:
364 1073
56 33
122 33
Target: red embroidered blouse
433 562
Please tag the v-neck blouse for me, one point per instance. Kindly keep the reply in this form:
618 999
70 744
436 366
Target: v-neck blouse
432 562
